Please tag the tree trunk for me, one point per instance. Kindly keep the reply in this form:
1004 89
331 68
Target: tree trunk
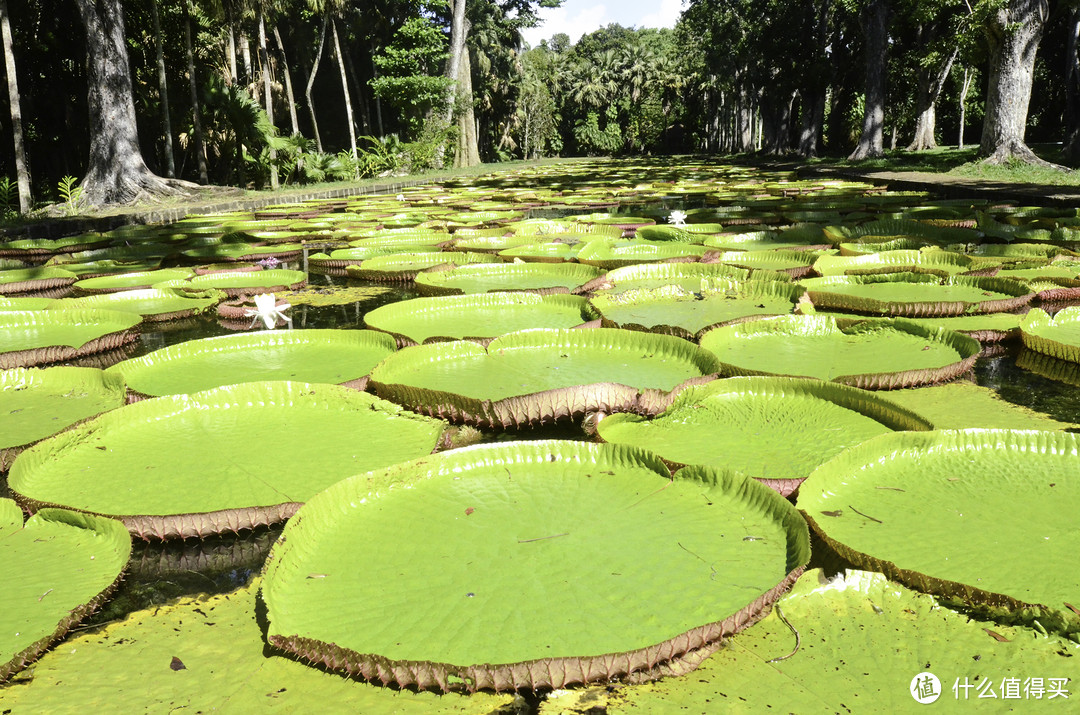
453 65
311 83
22 173
200 144
232 55
358 86
813 120
930 86
245 57
163 90
1012 35
1072 89
964 87
264 63
876 31
378 102
116 171
288 83
345 89
467 152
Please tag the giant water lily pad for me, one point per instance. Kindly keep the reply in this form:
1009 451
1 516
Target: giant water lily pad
867 353
685 562
1058 337
153 304
613 252
480 317
676 311
537 376
221 664
131 281
235 283
26 280
189 465
777 430
37 403
917 294
983 517
404 266
490 277
855 643
318 356
794 263
961 405
550 252
38 337
56 569
939 263
644 276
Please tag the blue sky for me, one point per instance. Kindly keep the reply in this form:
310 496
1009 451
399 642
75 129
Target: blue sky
579 17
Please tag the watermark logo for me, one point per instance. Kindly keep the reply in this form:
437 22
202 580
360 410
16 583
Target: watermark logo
925 688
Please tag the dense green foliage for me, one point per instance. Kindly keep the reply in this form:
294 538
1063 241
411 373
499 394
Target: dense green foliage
775 76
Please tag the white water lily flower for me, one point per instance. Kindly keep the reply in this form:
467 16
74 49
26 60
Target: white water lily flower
401 197
267 309
677 218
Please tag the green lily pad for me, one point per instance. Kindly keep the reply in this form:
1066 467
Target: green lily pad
646 276
939 263
481 317
317 356
336 261
191 465
543 375
153 304
774 429
795 263
685 562
856 643
243 252
404 240
27 280
39 337
218 641
962 405
550 252
906 228
1058 337
56 569
35 404
131 281
981 517
873 354
543 278
764 241
50 246
984 327
334 295
676 311
917 294
235 283
405 266
612 252
20 302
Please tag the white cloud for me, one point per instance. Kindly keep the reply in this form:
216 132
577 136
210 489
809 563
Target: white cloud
665 16
575 24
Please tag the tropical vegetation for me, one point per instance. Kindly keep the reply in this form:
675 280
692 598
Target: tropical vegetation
150 98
